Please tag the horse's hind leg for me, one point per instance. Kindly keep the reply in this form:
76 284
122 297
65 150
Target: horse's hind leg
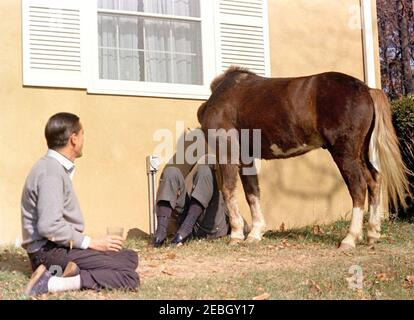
229 172
252 193
352 171
374 196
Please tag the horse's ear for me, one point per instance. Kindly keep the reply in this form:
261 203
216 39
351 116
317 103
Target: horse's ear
217 80
200 112
232 70
215 83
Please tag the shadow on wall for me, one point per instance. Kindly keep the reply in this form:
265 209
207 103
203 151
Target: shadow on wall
136 233
305 190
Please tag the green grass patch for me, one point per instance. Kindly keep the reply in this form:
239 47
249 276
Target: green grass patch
293 264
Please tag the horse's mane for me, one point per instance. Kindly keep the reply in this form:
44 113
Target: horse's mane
219 85
232 70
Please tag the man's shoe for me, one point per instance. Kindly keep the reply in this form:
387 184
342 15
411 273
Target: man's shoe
157 242
71 270
179 239
38 283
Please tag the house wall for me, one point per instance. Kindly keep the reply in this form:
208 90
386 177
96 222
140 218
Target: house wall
306 36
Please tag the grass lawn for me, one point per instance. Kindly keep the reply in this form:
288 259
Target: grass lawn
293 264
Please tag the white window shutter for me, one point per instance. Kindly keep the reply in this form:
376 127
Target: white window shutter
54 43
243 36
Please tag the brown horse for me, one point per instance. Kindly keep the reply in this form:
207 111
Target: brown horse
330 110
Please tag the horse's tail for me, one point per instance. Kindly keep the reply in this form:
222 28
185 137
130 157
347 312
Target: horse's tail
385 153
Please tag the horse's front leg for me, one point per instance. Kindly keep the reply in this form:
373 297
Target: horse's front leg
229 172
252 193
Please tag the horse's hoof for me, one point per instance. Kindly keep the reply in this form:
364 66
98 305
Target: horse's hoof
346 246
235 241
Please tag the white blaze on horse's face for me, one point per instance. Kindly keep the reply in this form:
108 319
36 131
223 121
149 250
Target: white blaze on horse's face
291 152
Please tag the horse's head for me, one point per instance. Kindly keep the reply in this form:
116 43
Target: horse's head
201 111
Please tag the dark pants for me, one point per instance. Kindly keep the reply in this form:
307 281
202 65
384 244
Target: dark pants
111 270
213 223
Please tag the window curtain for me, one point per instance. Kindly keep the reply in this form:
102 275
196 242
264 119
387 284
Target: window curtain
150 49
187 8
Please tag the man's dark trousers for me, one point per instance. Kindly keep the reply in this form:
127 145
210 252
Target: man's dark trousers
111 270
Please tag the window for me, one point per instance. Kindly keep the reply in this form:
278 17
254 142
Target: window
160 48
150 40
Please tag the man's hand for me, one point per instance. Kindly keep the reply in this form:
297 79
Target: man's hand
107 243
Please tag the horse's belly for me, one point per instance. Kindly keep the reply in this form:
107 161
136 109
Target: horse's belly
278 153
278 148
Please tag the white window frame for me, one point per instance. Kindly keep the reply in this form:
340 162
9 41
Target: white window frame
155 89
222 23
368 40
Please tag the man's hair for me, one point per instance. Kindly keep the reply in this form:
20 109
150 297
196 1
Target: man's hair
59 128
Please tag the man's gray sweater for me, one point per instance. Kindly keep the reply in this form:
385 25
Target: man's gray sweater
50 209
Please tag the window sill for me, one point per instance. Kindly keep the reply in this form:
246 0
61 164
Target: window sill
156 90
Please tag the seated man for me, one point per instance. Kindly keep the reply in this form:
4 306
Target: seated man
197 201
52 223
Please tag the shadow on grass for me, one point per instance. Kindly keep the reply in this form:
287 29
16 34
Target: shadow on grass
326 234
15 261
392 231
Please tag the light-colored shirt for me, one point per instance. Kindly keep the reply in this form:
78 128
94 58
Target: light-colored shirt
65 162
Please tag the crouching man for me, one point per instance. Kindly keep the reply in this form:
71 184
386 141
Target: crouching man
52 223
196 200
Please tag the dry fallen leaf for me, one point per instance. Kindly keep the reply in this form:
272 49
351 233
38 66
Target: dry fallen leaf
153 265
170 273
317 230
314 285
263 296
410 279
171 255
349 254
382 277
284 244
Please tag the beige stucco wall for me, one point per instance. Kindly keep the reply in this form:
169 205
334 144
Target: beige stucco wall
306 36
